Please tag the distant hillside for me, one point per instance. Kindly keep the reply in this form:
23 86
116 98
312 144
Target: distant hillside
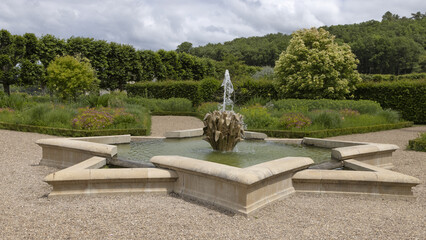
395 45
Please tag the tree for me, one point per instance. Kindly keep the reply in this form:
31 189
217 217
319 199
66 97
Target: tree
12 50
123 66
314 66
184 47
70 76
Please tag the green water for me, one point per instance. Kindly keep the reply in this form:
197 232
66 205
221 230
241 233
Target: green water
246 153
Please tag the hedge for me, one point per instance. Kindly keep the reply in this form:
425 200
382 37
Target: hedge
207 90
407 97
331 132
165 90
362 106
249 88
418 144
390 77
72 132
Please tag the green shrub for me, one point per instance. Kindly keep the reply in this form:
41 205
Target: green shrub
209 90
294 120
390 115
207 107
256 101
59 116
304 105
406 97
15 101
256 117
69 77
162 105
326 118
418 144
249 88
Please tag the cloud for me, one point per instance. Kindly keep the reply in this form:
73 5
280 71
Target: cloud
165 24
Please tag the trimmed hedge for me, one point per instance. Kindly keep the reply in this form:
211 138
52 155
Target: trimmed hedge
71 132
165 90
207 90
249 88
407 97
418 144
390 77
331 132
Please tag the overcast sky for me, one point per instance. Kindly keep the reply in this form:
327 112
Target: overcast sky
164 24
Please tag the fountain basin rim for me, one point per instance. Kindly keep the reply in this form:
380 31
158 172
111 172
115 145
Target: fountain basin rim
245 176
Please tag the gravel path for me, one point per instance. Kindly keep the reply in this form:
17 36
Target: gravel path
26 212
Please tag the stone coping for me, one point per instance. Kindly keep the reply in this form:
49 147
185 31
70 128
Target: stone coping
198 132
87 178
361 179
245 176
95 148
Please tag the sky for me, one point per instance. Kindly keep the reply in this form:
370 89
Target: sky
164 24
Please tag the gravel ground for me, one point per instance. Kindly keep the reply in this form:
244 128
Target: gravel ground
26 212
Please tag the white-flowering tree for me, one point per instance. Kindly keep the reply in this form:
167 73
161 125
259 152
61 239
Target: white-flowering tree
315 66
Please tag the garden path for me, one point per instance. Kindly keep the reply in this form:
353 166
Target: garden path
162 124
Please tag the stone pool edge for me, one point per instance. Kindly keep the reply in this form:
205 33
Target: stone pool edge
209 182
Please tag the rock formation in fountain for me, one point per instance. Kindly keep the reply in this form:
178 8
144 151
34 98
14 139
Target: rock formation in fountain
224 129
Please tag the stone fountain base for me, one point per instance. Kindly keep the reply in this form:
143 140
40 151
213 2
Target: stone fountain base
241 190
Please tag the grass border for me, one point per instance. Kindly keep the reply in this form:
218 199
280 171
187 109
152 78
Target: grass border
71 132
332 132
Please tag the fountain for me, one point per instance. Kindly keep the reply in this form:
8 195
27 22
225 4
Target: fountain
239 186
224 129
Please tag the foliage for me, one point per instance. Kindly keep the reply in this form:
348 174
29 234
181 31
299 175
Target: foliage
346 112
392 46
162 105
248 88
304 105
294 120
407 97
165 90
418 144
14 101
92 118
390 115
266 73
69 77
327 119
314 66
332 132
390 77
209 89
207 107
256 117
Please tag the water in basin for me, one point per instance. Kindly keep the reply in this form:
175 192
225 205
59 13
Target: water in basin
246 153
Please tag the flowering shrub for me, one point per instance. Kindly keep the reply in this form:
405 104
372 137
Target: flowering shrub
348 112
294 120
92 118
